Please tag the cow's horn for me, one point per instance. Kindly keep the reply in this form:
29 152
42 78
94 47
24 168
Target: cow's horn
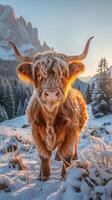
83 55
20 57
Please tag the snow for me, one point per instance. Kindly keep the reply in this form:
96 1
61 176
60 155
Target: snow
16 122
88 178
98 122
6 182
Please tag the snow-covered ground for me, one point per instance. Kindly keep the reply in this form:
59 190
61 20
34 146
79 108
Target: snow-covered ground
88 178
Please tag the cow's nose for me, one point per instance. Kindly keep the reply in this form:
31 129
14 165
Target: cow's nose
51 95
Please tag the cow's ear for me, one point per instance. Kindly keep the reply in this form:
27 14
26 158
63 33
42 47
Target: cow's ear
75 69
24 71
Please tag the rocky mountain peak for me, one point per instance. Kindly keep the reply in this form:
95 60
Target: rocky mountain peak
18 30
7 14
45 46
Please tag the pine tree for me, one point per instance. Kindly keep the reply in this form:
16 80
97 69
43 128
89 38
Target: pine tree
12 92
89 94
9 101
19 109
101 92
2 91
3 114
109 88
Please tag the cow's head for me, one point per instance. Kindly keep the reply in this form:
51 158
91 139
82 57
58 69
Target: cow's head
51 73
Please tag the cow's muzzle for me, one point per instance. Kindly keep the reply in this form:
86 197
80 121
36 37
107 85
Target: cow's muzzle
51 99
51 94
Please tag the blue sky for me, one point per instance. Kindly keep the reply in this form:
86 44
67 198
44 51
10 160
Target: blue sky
67 24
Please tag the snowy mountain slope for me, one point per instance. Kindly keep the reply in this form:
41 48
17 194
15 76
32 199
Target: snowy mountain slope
86 79
84 180
82 86
19 31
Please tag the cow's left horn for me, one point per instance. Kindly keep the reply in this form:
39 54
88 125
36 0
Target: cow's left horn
83 55
18 55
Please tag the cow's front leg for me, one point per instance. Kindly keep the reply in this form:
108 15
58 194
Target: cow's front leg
45 155
66 163
75 150
67 150
44 169
75 153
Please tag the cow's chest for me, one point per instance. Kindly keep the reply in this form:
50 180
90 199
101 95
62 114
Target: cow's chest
52 134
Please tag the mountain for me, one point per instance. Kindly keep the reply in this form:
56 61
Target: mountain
85 78
82 86
18 31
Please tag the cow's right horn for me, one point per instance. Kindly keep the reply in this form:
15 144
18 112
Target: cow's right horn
18 55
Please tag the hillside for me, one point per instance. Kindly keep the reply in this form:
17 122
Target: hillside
90 177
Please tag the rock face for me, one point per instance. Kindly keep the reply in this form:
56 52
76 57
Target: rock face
19 31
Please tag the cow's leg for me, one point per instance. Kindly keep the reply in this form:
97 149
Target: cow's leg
44 153
57 156
75 154
75 150
66 163
60 137
44 169
67 149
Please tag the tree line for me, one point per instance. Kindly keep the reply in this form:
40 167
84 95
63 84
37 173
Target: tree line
14 97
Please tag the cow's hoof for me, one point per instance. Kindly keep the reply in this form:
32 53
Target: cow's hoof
57 157
63 174
43 176
74 157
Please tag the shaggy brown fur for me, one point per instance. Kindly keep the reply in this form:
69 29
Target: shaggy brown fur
69 122
56 111
61 128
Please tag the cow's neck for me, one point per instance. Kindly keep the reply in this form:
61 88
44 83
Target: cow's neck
49 118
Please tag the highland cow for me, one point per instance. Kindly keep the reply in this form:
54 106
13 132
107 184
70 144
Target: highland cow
56 111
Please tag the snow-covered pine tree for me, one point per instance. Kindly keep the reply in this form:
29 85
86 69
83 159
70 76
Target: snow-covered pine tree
19 109
101 91
109 88
3 114
19 91
89 94
2 91
9 101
